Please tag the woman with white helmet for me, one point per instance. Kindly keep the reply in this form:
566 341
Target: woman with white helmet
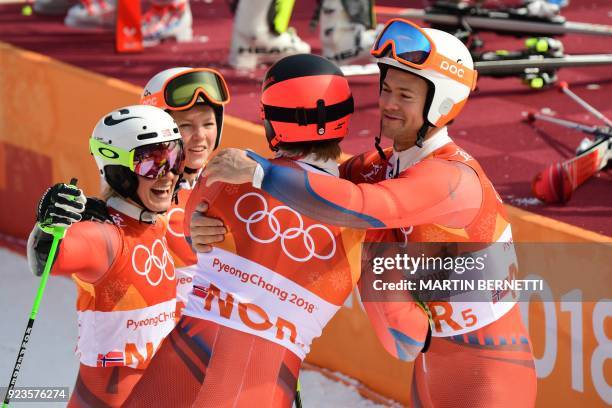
125 277
195 98
425 189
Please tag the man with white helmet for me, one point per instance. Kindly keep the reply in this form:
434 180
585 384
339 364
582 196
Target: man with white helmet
125 277
195 98
426 189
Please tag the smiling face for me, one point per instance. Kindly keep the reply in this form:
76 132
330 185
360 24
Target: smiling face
198 128
156 194
401 104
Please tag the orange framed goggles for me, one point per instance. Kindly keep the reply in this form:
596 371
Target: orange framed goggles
183 90
410 45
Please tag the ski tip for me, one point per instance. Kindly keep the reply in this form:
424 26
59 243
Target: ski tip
553 185
563 85
73 181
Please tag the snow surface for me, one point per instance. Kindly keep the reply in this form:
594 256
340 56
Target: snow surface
49 359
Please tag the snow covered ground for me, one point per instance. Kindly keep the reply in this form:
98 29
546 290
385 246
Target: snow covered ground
49 359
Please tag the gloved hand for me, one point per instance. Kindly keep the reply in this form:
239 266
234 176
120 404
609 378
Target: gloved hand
96 210
60 206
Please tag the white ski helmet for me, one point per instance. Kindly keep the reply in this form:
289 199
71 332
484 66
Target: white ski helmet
214 86
446 95
124 135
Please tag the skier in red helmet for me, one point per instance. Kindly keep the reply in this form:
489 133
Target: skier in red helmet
261 297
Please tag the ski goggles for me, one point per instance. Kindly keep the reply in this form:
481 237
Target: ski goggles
151 161
183 90
410 45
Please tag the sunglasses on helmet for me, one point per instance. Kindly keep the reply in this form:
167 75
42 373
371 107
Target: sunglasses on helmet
411 46
181 91
151 161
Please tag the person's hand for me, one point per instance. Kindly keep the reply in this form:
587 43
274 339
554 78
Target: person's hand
60 206
230 166
96 210
205 230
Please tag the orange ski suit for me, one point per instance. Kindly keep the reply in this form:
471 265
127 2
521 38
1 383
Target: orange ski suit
126 300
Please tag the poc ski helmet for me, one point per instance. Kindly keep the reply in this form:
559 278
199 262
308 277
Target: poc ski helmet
305 98
136 140
438 57
181 88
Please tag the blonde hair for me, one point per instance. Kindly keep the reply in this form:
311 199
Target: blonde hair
107 192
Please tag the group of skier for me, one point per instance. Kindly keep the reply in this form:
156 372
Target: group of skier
203 283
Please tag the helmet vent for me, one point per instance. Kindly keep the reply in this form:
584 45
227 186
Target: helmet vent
144 136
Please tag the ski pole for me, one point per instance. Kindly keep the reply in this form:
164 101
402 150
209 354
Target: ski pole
58 233
532 116
298 398
565 89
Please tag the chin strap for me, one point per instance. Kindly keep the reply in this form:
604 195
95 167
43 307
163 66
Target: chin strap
145 211
419 140
190 170
377 140
421 135
379 149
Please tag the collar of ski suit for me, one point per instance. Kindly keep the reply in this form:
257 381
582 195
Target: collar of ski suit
400 161
310 163
131 210
184 184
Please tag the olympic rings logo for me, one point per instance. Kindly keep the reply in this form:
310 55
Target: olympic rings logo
157 256
180 213
289 233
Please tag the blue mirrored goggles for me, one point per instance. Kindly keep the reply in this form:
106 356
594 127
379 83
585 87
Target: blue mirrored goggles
408 42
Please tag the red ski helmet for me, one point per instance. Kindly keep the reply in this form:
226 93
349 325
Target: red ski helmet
305 98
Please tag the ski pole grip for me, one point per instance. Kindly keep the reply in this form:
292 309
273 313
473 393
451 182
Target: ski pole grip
60 232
